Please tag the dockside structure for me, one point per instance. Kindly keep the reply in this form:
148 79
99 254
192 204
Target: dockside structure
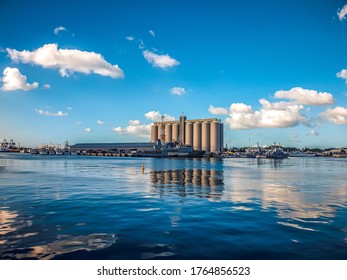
201 134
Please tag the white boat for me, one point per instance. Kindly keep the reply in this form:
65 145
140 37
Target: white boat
302 154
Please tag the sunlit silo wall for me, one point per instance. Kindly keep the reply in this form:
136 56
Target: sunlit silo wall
159 131
205 136
197 136
168 133
175 132
189 134
154 133
215 137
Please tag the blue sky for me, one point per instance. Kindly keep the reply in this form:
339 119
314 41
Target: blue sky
103 71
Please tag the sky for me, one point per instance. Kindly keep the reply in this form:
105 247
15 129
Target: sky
103 71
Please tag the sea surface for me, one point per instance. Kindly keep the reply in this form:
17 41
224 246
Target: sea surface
81 207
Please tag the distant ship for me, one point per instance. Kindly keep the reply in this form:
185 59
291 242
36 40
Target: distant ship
302 154
170 149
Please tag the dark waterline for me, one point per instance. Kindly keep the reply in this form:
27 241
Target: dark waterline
61 207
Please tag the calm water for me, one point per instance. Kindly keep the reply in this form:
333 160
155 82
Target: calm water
57 207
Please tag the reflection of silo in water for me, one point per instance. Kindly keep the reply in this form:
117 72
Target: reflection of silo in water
154 133
175 132
168 133
188 176
174 176
215 180
197 136
215 136
189 134
167 177
197 177
154 177
205 139
205 175
160 177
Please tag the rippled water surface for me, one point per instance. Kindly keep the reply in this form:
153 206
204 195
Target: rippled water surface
65 207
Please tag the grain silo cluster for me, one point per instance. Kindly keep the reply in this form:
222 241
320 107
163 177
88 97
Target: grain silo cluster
201 134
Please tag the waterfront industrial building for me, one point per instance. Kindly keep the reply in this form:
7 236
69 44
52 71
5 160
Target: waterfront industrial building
201 134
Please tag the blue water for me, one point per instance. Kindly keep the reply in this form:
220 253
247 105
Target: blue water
66 207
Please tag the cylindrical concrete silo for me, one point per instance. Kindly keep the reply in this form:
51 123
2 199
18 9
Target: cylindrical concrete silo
197 136
159 131
215 137
205 136
154 133
188 134
221 135
175 132
168 133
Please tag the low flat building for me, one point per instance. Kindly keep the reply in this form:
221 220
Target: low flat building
118 148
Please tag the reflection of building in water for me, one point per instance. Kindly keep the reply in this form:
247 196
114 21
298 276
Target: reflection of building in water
199 182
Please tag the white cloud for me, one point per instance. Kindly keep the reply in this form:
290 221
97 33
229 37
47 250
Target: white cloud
338 115
152 32
130 38
46 86
100 122
69 108
217 110
58 29
88 129
342 74
14 80
178 90
161 61
313 133
67 61
342 13
271 115
46 113
134 128
141 44
306 96
156 116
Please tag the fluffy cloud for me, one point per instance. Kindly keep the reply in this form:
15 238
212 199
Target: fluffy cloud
342 13
46 113
67 61
178 90
306 96
134 128
338 115
151 32
156 116
58 29
313 133
46 86
271 115
100 122
217 110
130 38
14 80
342 74
161 61
88 129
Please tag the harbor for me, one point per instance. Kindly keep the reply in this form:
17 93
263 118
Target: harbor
83 207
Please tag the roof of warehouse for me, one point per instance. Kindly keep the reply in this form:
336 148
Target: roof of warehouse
110 145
